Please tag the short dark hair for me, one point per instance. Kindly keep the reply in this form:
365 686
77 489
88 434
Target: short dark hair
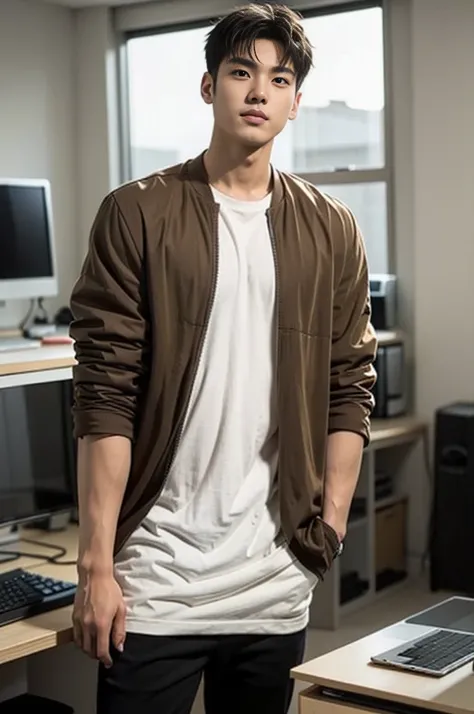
237 33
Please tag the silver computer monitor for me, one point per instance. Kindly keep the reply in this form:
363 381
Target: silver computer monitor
27 249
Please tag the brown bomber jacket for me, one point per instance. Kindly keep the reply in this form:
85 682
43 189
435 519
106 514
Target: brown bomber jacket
141 306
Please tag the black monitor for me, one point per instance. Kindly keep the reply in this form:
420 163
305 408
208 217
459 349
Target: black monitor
37 455
27 245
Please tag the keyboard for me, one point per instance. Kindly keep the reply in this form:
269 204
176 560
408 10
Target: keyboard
440 651
24 594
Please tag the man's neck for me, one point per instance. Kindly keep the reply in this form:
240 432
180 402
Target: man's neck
238 172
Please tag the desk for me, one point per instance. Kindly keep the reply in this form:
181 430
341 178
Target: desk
36 359
51 629
346 669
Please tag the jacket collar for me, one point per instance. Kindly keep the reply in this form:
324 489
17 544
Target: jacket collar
195 171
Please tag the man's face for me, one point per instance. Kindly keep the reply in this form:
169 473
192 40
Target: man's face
253 100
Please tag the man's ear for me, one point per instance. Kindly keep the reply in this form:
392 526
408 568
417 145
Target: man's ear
207 88
295 107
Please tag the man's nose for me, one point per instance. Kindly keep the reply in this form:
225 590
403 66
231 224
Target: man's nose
258 95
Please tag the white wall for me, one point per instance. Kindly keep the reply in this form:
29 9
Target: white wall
443 173
97 115
37 119
433 143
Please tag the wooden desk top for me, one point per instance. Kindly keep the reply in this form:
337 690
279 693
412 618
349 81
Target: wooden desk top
51 629
348 669
37 359
395 431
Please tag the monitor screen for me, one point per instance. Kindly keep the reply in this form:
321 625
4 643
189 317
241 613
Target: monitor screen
37 463
27 265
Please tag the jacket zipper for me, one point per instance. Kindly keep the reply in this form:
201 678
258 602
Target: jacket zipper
179 434
277 320
277 323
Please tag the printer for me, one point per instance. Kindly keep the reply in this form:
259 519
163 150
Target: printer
383 299
390 388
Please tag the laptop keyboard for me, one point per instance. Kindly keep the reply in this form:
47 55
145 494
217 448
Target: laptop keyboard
439 650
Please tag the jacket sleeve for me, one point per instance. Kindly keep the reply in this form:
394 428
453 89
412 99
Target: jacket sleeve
108 328
354 342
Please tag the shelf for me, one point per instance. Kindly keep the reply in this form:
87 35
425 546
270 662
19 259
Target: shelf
389 501
391 589
356 602
395 450
402 576
357 521
399 430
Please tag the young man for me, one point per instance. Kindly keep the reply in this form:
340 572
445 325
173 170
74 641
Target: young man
222 400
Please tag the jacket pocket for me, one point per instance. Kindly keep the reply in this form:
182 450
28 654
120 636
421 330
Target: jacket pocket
315 545
332 538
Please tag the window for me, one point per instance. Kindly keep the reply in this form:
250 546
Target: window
337 142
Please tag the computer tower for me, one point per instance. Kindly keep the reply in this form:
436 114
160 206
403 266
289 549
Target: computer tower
452 531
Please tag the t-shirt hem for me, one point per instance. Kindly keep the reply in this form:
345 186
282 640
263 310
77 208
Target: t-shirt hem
216 627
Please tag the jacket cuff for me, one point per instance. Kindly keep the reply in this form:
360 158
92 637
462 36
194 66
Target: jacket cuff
100 422
355 418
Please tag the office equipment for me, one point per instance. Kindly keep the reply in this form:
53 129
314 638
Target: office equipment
37 453
452 533
390 388
24 594
384 301
27 249
437 641
436 654
344 681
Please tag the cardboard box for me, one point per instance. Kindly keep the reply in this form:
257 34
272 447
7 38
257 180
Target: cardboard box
391 537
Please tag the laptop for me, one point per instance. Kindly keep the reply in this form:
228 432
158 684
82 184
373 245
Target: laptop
435 641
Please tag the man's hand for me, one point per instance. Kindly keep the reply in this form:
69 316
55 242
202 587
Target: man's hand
99 616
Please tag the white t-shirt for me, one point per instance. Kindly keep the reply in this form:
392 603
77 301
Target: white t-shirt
209 557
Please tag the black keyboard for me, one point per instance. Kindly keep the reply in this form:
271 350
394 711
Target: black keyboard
24 594
440 650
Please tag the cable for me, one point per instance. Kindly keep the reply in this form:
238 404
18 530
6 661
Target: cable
23 324
42 319
11 555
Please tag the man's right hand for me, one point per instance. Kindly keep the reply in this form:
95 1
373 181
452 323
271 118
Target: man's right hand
99 616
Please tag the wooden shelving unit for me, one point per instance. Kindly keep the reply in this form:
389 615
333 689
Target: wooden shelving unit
392 442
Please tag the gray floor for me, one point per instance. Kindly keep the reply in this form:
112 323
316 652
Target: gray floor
388 609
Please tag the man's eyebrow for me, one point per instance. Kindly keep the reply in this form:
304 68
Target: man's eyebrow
251 64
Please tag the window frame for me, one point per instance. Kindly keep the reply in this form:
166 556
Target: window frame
139 21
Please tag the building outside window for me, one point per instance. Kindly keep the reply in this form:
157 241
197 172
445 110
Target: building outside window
337 142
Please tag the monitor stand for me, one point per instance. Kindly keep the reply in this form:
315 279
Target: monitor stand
8 536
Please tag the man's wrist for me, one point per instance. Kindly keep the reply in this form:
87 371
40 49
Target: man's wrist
337 521
95 563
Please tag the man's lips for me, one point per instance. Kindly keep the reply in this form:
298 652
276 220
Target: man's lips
255 116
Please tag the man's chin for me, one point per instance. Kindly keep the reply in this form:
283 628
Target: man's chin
253 139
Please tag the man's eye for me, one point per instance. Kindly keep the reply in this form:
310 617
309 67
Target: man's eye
240 73
281 80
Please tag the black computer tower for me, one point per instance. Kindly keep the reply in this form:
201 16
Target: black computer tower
452 527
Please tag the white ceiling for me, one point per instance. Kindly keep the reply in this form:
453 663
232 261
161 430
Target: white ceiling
91 3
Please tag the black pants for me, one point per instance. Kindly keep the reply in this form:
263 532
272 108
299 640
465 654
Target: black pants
243 674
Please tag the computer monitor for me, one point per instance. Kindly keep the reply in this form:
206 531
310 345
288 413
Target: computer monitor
27 250
37 450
